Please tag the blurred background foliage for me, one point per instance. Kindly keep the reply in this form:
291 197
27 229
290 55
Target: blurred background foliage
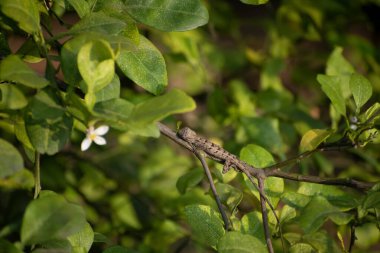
252 71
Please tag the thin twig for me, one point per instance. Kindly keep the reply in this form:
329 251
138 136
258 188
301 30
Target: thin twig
352 238
37 180
265 217
213 189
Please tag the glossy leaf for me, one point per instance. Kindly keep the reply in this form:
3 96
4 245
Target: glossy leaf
83 239
11 97
312 138
189 180
144 65
315 214
11 159
13 69
96 65
235 242
116 112
372 114
206 224
50 217
24 12
157 108
331 87
169 15
361 89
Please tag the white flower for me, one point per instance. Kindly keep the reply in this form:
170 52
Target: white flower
94 135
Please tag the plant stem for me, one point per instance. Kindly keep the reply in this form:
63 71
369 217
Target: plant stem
37 179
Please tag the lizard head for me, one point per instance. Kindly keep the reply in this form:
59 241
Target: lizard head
186 133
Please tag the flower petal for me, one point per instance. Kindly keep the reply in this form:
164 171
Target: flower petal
102 130
100 140
86 143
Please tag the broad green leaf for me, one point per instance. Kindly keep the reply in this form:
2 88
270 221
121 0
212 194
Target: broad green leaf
235 242
322 241
302 248
81 7
150 130
372 200
372 114
11 97
254 2
252 224
96 65
20 131
13 69
169 15
116 112
45 105
11 160
331 87
55 245
315 214
337 65
312 138
265 132
7 247
99 22
259 157
157 108
229 195
83 239
24 12
111 91
341 218
189 180
49 137
50 217
205 223
144 65
361 90
295 200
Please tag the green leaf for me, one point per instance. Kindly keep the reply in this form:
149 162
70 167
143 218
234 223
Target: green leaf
22 179
11 160
337 65
331 87
189 180
205 223
229 195
372 114
49 137
118 249
81 7
50 217
254 2
55 245
45 105
116 112
157 108
99 22
315 213
361 90
24 12
312 138
96 65
169 15
124 211
259 157
144 65
13 69
302 248
372 200
83 239
235 242
265 132
11 97
252 224
111 91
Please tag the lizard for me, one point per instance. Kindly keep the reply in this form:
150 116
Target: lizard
229 160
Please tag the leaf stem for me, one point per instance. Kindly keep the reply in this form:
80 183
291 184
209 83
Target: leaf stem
37 179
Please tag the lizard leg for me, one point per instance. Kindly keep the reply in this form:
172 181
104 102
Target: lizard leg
226 166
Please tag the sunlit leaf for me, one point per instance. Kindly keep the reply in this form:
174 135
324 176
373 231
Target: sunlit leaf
11 159
83 239
252 224
361 89
206 224
169 15
24 12
312 138
81 7
331 87
11 97
301 248
240 243
254 2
